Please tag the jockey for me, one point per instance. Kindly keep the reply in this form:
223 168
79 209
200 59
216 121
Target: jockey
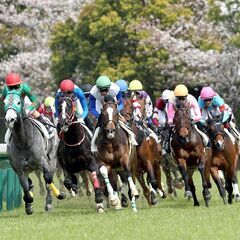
86 88
68 88
136 88
213 105
181 95
123 87
13 81
160 117
47 109
105 87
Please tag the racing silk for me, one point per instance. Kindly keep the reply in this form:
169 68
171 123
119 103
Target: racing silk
215 109
96 100
193 105
160 117
79 99
45 111
25 91
148 103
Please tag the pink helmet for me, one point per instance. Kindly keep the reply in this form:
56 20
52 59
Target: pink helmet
207 93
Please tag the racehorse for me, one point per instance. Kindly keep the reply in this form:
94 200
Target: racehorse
148 154
189 152
74 151
29 150
114 151
224 157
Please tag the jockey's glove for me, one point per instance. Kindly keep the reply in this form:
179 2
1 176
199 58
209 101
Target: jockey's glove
81 120
30 109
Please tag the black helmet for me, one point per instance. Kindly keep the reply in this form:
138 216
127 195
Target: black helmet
86 87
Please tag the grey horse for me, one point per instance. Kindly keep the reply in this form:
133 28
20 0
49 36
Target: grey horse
29 150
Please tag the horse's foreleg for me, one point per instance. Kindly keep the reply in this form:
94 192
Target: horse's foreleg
182 168
85 179
216 178
59 172
168 175
146 191
48 206
206 194
113 198
229 177
40 183
235 187
157 173
192 187
28 195
48 177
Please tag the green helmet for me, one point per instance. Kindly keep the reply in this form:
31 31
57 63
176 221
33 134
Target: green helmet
103 82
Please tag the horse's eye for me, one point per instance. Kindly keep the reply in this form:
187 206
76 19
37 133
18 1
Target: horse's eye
17 101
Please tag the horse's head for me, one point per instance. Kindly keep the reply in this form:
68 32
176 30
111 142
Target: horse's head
110 117
13 106
215 130
66 110
182 122
127 111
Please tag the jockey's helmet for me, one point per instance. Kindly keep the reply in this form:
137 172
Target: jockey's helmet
122 84
103 82
86 88
207 93
135 85
67 85
49 101
12 79
167 94
180 90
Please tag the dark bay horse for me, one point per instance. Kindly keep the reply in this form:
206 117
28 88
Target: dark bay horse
149 154
224 157
189 152
74 151
29 150
114 151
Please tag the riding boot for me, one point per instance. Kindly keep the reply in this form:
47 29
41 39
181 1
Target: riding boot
205 138
46 124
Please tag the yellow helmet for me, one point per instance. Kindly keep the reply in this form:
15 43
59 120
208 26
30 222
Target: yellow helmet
49 101
135 85
180 90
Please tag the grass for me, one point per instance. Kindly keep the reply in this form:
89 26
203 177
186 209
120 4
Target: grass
76 218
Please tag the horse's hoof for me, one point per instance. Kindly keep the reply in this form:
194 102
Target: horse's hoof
100 208
61 196
72 193
118 206
207 203
48 208
28 208
135 193
196 204
224 201
114 201
88 193
154 199
188 195
208 196
237 198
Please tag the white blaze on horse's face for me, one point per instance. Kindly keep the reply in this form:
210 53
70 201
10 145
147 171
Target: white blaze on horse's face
10 118
110 131
64 105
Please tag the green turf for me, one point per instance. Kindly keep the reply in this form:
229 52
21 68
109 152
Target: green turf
170 219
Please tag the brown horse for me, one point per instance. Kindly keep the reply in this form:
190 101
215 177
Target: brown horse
114 151
224 157
189 151
148 154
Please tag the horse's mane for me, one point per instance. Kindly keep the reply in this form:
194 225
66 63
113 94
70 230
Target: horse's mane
109 98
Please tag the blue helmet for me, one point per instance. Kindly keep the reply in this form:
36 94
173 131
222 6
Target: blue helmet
122 84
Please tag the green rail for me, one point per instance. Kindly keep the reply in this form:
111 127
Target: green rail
10 188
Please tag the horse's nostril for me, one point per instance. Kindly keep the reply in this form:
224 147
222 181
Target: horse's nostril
12 120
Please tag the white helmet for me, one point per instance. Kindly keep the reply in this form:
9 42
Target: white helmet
167 94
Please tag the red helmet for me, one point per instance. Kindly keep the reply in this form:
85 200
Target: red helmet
12 79
67 85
